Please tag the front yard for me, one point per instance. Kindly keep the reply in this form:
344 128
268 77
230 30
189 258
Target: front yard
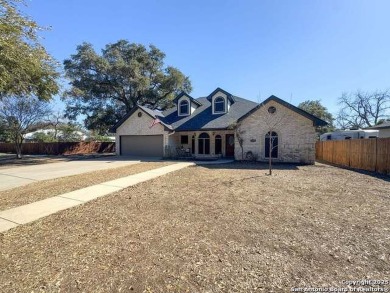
222 228
48 188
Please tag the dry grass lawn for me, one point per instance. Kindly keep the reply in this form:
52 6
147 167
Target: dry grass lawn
43 189
227 228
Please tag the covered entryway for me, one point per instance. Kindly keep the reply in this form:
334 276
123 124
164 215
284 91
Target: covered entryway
229 145
141 145
204 144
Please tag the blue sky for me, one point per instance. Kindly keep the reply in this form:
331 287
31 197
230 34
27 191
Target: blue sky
297 50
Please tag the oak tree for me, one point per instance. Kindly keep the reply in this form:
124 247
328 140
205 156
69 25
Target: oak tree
363 109
26 69
315 108
20 116
106 86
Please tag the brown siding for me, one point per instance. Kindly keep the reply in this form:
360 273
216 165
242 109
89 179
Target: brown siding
365 154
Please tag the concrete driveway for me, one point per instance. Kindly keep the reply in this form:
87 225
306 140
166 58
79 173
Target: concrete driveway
19 176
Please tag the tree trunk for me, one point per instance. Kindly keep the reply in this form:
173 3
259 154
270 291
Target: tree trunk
269 155
18 146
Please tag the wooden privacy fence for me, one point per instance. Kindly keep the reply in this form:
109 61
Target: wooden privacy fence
371 154
60 148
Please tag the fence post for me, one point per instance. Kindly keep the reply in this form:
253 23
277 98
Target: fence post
376 154
349 152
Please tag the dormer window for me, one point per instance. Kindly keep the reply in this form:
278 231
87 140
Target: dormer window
184 108
219 105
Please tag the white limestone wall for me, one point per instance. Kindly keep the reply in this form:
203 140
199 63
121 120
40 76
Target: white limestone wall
135 125
296 134
175 140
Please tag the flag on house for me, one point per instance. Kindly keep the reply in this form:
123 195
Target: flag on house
155 121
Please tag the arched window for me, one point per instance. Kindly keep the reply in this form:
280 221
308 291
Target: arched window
219 105
204 144
184 108
218 145
271 144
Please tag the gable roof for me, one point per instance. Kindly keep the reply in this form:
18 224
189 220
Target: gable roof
152 113
218 89
316 121
203 118
187 95
384 125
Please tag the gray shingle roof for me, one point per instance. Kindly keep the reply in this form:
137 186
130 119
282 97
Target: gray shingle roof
203 119
383 125
316 121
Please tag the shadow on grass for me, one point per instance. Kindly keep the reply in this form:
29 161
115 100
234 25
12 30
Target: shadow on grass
262 166
30 160
383 177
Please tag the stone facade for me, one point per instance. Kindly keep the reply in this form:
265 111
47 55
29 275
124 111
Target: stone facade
296 135
136 125
174 141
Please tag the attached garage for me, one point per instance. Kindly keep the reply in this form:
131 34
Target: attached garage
141 145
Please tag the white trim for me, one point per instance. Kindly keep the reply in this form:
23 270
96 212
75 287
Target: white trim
179 113
278 145
225 100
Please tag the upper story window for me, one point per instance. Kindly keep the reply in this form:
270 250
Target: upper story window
184 108
219 105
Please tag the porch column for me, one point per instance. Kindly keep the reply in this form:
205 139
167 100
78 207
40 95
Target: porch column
196 144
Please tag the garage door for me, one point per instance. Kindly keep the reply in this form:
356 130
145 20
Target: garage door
141 145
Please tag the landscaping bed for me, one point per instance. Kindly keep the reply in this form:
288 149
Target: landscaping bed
217 228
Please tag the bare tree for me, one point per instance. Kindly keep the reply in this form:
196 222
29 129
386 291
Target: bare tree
20 116
239 133
273 120
363 109
56 120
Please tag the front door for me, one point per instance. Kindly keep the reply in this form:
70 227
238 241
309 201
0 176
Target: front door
229 145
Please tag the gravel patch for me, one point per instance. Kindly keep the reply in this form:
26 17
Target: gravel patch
48 188
225 228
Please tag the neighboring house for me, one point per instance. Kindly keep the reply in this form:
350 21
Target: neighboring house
384 129
30 135
213 126
349 134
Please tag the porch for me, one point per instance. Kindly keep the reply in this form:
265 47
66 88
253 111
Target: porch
201 144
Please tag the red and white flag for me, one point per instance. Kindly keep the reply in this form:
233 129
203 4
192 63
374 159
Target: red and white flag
155 121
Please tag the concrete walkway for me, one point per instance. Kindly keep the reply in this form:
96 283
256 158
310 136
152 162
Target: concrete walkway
28 213
19 176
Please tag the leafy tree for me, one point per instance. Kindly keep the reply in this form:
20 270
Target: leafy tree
100 138
95 136
315 108
363 109
26 69
55 122
4 133
44 137
20 116
69 132
105 87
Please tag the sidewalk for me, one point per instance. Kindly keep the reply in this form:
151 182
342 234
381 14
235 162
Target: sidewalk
28 213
